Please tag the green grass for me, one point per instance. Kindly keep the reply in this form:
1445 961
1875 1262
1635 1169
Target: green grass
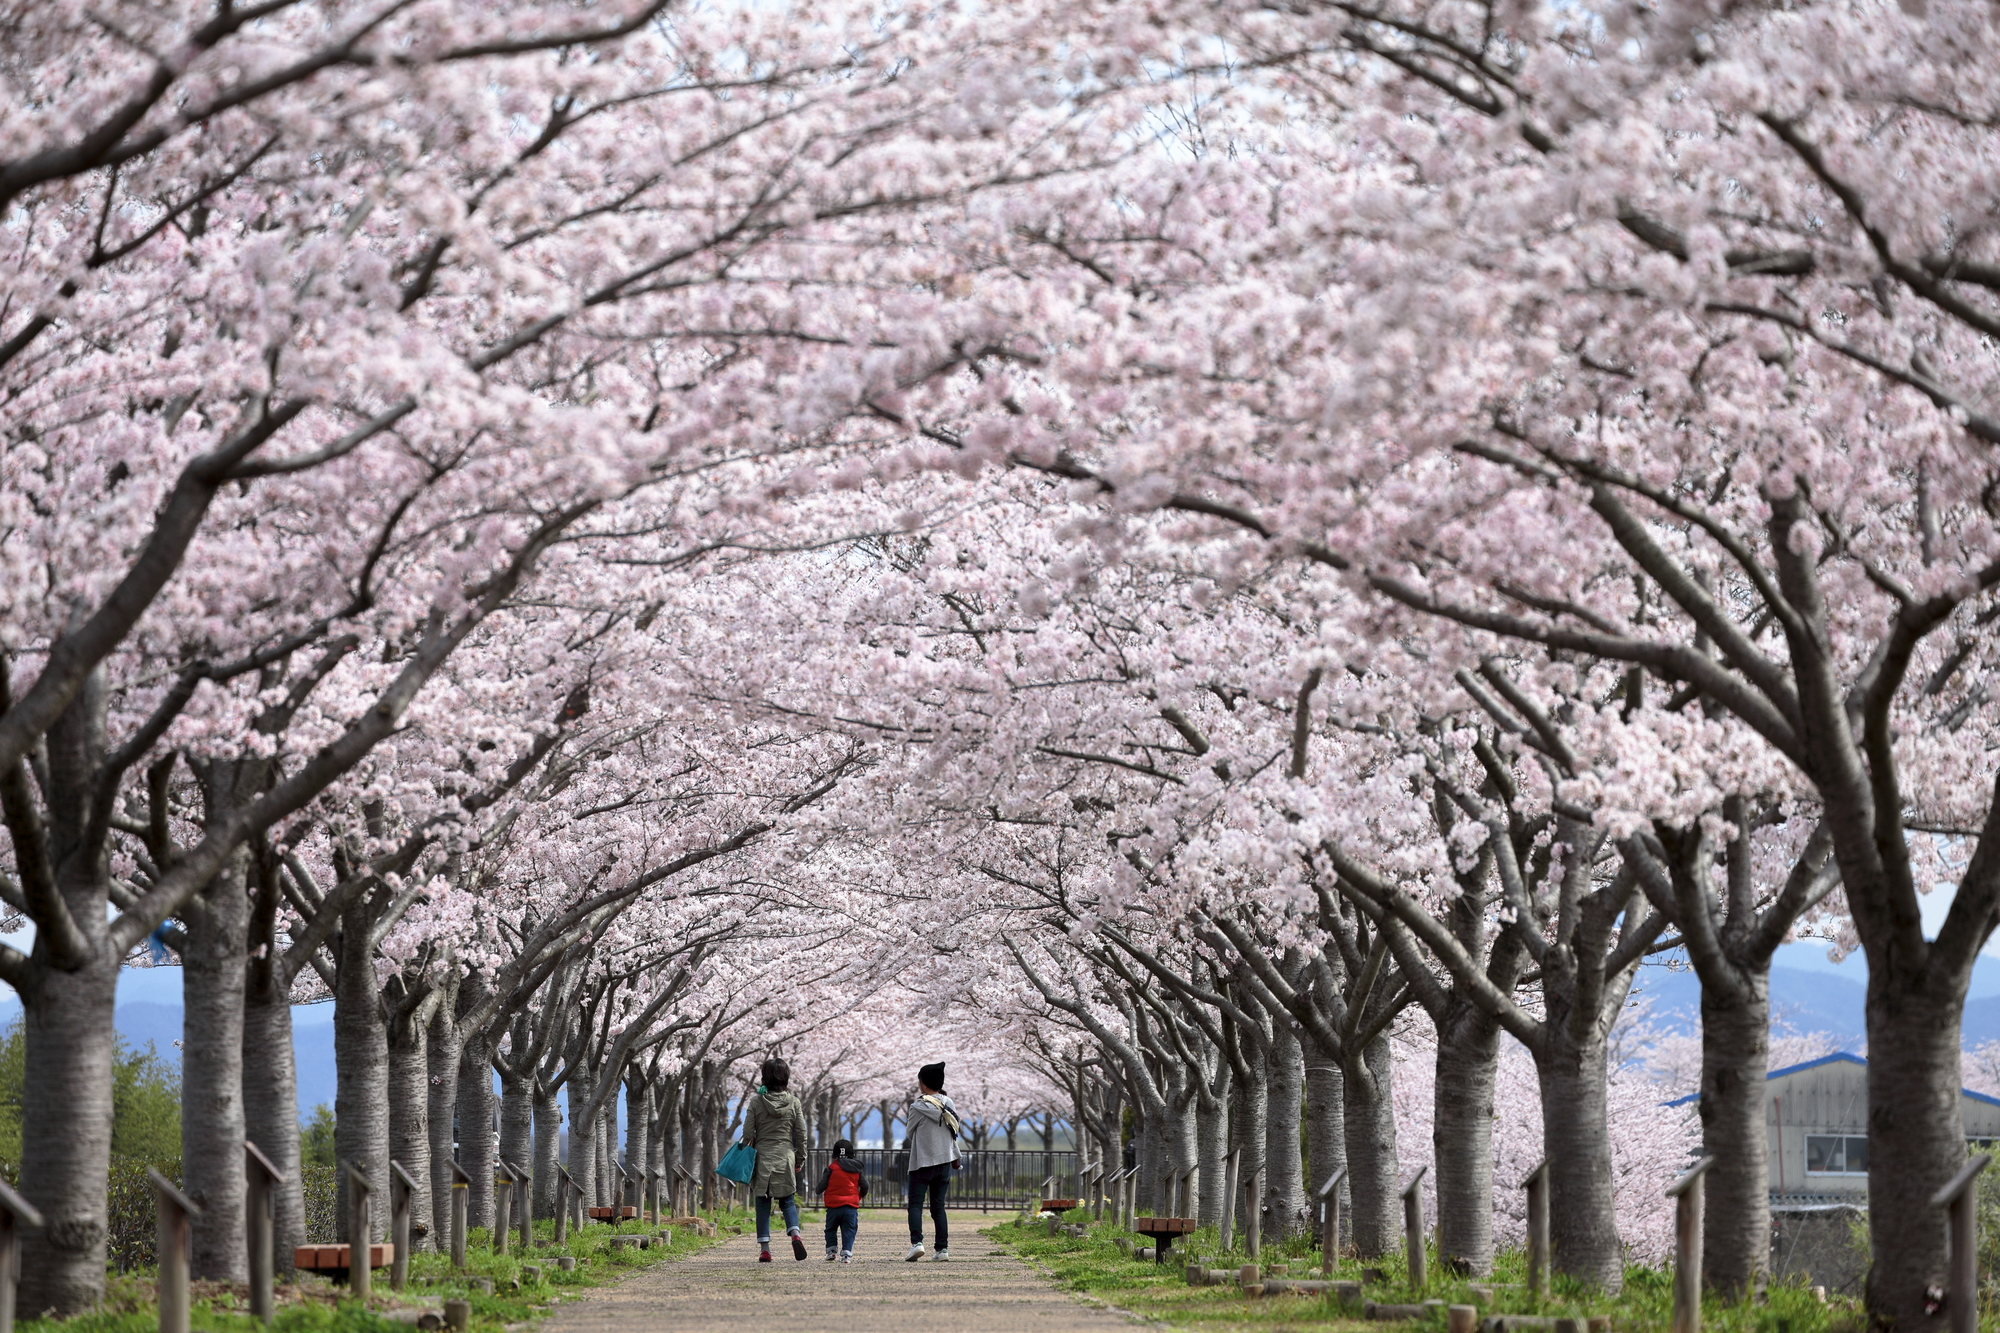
314 1306
1094 1265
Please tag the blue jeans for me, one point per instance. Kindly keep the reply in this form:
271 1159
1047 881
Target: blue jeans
790 1203
934 1186
843 1220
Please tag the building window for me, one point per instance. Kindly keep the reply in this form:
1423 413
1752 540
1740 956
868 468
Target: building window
1836 1155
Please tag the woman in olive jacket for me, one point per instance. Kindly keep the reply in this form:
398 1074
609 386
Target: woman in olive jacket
776 1128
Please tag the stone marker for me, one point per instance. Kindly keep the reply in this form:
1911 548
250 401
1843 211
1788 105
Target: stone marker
1461 1319
458 1315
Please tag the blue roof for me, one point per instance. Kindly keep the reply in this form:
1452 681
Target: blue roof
1837 1057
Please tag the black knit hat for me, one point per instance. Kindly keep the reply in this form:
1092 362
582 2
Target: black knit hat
932 1077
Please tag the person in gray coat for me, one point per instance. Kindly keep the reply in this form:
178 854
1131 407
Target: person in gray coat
933 1145
776 1128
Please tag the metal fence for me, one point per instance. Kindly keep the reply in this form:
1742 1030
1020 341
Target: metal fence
989 1178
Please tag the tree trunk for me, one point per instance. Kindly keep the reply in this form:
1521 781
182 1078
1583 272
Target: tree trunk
1369 1113
582 1138
66 1133
1735 1056
1916 1133
1211 1131
214 963
607 1138
361 1074
1284 1176
638 1099
711 1132
517 1119
1583 1218
1326 1128
1156 1161
1249 1110
410 1118
271 1112
548 1148
476 1148
1468 1056
443 1091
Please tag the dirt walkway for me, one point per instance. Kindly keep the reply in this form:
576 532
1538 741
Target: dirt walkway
725 1290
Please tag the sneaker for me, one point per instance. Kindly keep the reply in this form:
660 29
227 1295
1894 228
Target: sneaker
847 1256
764 1256
831 1254
941 1257
798 1246
916 1253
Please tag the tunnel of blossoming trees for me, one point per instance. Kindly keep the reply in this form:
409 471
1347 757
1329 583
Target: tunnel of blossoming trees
1233 571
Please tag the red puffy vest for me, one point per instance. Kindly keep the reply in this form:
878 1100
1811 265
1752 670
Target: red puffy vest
843 1187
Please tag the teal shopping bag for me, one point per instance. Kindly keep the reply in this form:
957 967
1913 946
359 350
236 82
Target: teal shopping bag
738 1164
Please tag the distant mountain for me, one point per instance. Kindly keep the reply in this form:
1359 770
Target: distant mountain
145 1021
1805 999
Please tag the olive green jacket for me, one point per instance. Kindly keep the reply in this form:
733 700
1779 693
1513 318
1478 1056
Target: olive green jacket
776 1128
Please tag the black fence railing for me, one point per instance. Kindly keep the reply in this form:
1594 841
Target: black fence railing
990 1178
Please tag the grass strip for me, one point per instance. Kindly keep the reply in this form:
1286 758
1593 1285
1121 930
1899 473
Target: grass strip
1094 1264
314 1305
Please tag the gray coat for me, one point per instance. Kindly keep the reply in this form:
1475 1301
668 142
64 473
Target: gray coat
776 1128
931 1143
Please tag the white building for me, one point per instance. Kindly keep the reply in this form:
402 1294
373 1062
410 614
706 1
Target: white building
1816 1114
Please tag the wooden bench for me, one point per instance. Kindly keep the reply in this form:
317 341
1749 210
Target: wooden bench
1162 1230
616 1214
1059 1205
333 1261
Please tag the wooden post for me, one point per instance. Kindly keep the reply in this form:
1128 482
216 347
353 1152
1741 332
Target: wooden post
176 1211
503 1207
1961 1204
260 1179
1413 1227
1254 1191
360 1230
402 1188
628 1193
651 1203
566 1189
1686 1194
683 1191
1329 1221
15 1213
1537 1185
461 1187
1230 1166
1131 1196
688 1200
524 1207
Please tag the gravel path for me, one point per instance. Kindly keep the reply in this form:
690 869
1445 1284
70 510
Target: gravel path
725 1290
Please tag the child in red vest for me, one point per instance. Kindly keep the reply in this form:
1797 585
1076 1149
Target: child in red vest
842 1187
